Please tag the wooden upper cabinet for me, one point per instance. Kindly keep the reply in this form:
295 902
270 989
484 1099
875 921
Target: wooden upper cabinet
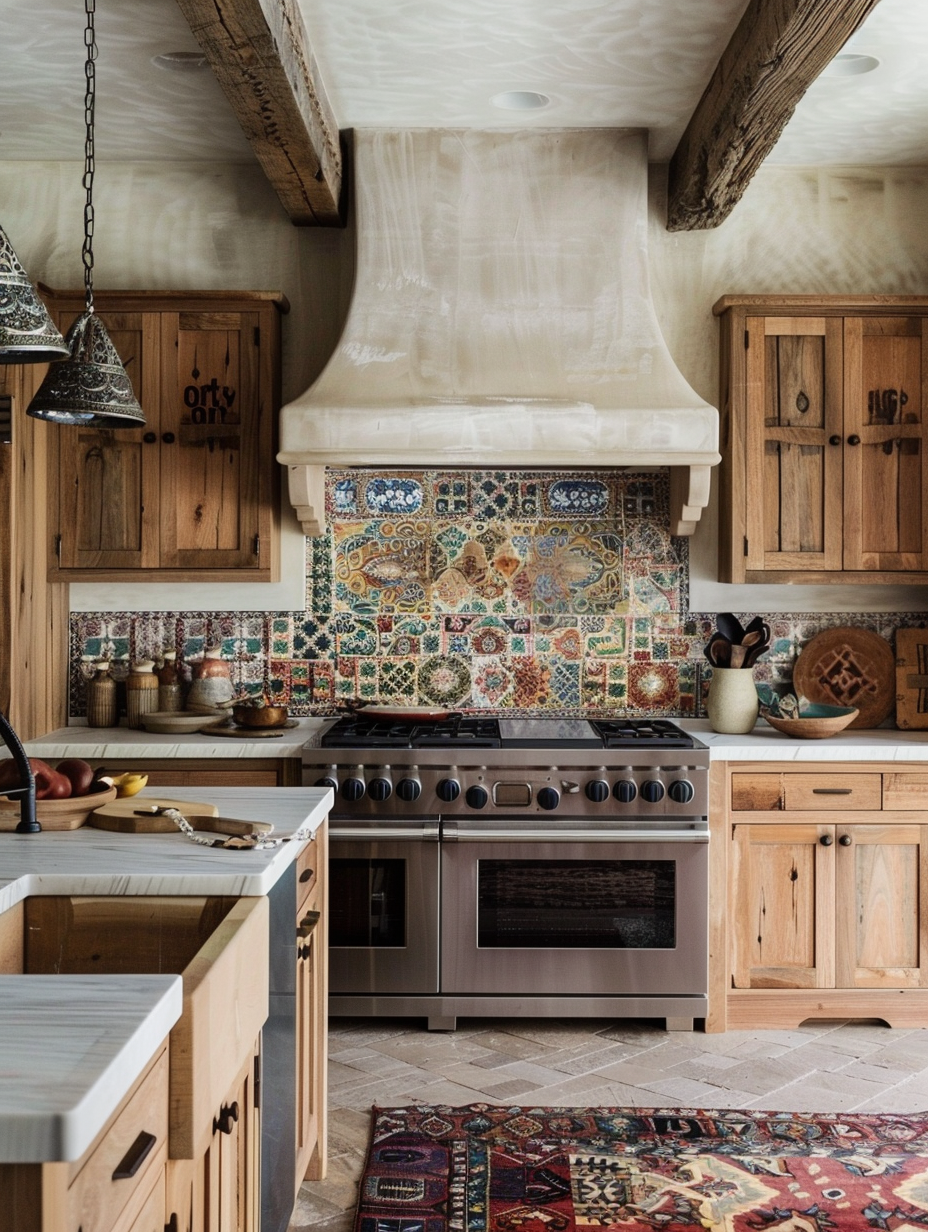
194 494
823 439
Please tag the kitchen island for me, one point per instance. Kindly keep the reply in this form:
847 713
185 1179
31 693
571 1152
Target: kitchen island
249 900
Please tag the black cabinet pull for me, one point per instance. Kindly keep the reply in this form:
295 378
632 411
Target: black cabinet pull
832 791
228 1115
308 923
172 1224
845 840
853 439
834 440
136 1155
150 437
826 840
168 438
303 951
307 875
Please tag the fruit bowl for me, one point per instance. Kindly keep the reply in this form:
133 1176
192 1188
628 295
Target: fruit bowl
815 721
66 814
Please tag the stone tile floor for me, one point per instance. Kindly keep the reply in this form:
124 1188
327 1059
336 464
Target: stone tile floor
820 1067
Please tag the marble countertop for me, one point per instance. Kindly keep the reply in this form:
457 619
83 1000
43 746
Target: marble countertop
766 744
118 743
70 1049
72 1046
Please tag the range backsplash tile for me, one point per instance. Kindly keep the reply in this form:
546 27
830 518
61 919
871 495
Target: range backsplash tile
512 591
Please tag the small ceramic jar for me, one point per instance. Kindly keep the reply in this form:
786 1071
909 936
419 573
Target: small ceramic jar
170 687
212 682
141 692
733 704
102 706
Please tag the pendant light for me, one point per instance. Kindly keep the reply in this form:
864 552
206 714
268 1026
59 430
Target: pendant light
27 333
90 386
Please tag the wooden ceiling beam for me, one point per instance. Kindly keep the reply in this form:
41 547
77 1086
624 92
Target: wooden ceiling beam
260 54
777 51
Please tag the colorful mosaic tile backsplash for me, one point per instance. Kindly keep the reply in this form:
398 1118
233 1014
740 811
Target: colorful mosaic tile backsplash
518 592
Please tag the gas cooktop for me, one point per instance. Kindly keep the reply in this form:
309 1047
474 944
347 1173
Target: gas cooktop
358 731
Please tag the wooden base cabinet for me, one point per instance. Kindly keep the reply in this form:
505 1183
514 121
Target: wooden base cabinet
311 1011
821 909
220 1189
824 406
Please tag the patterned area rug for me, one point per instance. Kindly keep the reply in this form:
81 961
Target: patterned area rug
489 1169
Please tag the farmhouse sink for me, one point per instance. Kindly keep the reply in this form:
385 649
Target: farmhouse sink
218 945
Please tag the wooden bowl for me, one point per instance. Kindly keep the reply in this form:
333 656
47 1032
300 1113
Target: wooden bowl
815 721
66 814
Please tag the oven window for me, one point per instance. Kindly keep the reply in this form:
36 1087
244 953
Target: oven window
576 904
367 903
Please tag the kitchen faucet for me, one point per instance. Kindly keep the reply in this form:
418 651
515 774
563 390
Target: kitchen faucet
26 792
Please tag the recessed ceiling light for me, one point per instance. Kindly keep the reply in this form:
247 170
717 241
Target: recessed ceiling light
180 61
850 64
520 100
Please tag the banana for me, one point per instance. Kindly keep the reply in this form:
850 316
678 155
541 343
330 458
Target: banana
128 784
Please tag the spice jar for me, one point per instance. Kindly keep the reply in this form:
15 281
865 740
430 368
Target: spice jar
141 692
102 708
170 688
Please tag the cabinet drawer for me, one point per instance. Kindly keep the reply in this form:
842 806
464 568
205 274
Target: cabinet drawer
307 872
805 792
122 1164
151 1218
907 790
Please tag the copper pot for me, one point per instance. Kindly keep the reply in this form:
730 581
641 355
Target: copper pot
259 716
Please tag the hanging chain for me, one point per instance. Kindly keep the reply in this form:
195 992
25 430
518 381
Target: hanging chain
90 44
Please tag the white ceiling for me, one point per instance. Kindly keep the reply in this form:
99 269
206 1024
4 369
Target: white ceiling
641 63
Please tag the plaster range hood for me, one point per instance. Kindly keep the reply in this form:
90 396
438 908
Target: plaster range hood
501 318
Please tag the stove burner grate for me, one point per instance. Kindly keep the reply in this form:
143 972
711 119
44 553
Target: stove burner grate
357 731
641 733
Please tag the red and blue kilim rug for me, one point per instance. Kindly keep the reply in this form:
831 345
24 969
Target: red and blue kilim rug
488 1169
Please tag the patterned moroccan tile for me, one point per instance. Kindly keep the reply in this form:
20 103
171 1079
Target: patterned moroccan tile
392 496
444 680
396 680
341 496
503 494
450 494
607 637
653 688
532 682
578 495
572 567
494 682
319 555
354 636
381 567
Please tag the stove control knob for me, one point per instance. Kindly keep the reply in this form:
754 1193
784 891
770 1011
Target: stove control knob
477 796
548 798
448 790
681 791
598 791
625 791
328 781
380 788
653 791
409 789
353 789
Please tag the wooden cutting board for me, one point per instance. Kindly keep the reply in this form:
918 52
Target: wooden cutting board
846 666
912 678
120 815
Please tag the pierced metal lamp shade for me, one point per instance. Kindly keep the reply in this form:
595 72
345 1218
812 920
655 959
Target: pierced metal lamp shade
27 333
91 386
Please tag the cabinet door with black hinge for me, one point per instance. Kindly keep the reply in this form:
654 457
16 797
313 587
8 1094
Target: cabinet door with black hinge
106 480
783 904
793 434
213 424
881 891
885 439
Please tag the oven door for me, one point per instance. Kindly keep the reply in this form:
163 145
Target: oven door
383 907
575 910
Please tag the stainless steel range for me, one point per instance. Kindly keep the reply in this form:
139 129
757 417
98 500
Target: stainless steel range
507 867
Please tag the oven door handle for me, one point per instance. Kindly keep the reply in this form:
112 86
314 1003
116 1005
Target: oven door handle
452 834
428 832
